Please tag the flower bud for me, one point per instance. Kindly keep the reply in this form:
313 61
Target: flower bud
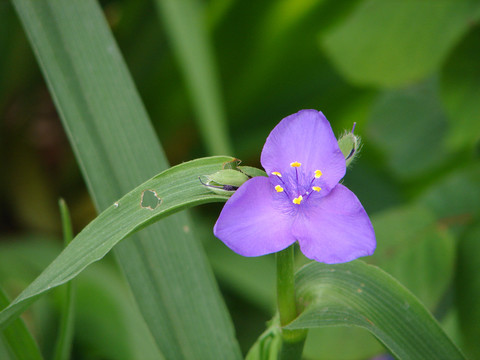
224 182
349 144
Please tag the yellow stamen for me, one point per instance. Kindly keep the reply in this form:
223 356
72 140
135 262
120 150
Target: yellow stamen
298 200
316 188
278 188
318 173
277 173
295 164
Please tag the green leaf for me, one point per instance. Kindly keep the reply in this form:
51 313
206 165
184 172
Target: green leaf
357 294
454 198
394 43
117 149
467 291
18 338
110 314
173 190
109 324
409 126
5 352
414 249
251 278
186 26
460 85
346 343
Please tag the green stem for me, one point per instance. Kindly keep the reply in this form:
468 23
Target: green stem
292 340
286 286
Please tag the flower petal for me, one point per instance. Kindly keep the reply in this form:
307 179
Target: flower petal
336 229
305 137
253 222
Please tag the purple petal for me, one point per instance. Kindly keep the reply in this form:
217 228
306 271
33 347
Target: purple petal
252 223
336 229
305 137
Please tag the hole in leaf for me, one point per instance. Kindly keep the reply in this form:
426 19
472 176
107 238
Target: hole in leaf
150 200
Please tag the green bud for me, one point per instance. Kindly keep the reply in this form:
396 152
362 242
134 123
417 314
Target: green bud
228 177
349 144
224 182
228 180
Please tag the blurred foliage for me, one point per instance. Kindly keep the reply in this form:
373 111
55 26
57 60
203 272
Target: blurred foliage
407 72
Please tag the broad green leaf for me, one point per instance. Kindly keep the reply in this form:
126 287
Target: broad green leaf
454 198
346 343
18 338
271 68
357 294
186 24
172 190
460 85
367 179
413 248
394 43
117 149
409 126
467 291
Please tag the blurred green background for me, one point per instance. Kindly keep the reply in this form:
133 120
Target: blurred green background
407 72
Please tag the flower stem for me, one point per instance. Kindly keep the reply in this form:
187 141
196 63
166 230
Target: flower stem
292 340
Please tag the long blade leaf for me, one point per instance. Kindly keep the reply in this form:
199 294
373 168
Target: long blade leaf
117 149
170 191
185 24
18 338
63 346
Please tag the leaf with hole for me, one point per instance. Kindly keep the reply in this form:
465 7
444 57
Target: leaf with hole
177 187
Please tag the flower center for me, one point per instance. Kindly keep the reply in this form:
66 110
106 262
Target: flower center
298 200
297 186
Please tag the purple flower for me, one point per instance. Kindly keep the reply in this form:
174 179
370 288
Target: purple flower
301 200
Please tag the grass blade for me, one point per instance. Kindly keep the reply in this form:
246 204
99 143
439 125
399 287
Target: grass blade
18 338
170 191
117 149
63 346
185 23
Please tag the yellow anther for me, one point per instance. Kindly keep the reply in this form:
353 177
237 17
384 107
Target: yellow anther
278 188
316 188
318 173
277 173
295 164
298 200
